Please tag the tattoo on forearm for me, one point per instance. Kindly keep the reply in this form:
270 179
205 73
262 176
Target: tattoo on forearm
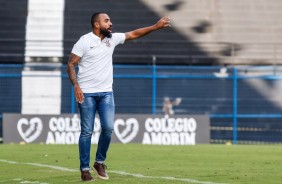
72 75
73 60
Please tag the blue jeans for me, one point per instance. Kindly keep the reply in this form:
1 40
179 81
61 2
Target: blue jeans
104 104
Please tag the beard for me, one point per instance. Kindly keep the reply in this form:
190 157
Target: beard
106 33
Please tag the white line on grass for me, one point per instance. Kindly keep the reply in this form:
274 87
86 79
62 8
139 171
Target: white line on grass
116 172
21 181
164 177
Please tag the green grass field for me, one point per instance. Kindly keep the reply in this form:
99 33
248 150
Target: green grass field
135 163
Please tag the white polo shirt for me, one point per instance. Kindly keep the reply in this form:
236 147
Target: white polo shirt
95 69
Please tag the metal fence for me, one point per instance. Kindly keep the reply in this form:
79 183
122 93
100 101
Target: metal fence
244 103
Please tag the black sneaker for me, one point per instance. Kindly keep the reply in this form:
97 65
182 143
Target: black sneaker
86 176
101 170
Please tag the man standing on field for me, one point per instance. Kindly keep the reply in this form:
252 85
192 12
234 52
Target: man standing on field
93 85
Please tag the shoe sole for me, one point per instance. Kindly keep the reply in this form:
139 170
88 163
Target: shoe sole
101 177
88 180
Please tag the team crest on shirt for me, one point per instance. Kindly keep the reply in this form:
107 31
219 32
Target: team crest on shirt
108 44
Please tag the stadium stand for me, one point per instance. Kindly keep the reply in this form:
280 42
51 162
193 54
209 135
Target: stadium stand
13 15
44 31
203 33
235 32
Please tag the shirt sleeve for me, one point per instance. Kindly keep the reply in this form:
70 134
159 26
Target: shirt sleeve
119 38
79 47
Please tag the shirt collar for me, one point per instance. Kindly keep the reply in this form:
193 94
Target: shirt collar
95 37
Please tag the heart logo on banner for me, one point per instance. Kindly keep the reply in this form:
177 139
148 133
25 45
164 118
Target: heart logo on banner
130 129
33 131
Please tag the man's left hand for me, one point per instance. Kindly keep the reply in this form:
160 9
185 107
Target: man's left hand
163 22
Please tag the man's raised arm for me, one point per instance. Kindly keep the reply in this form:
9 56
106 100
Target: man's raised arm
162 23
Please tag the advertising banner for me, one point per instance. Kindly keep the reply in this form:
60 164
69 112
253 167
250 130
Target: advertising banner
128 128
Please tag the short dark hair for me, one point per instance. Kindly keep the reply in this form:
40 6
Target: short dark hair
95 17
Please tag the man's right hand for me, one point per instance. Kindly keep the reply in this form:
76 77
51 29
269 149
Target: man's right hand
79 97
73 60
